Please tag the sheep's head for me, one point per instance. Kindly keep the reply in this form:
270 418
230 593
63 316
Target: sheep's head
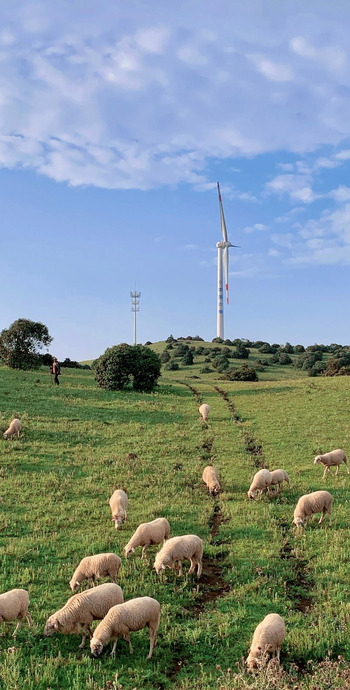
317 459
96 647
158 567
5 436
251 495
259 659
51 626
298 522
128 550
118 521
74 585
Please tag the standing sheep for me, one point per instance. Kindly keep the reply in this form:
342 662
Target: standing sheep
267 639
82 609
210 478
277 477
120 620
148 533
14 604
332 459
204 411
94 567
316 502
177 549
13 429
261 482
118 503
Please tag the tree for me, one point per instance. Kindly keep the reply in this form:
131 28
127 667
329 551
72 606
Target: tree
164 357
284 358
220 363
123 364
245 373
172 365
187 359
241 352
20 344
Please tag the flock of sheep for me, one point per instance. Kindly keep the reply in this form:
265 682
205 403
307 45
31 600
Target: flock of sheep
106 602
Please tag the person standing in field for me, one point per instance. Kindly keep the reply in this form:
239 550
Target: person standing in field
56 370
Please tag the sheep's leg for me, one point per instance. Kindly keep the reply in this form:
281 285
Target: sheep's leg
347 466
326 469
278 653
82 644
93 581
180 568
17 626
29 619
127 639
199 569
322 516
143 555
193 565
337 470
114 647
330 516
153 640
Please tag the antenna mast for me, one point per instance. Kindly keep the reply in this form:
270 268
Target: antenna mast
135 307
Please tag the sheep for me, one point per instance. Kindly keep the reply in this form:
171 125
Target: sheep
13 429
175 550
118 502
94 567
332 459
14 604
316 502
261 482
268 638
83 608
204 411
277 477
210 478
148 533
135 614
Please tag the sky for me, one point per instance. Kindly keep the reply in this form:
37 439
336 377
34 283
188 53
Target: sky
117 119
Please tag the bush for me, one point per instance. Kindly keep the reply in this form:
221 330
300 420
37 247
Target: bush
187 359
267 349
228 342
169 346
217 340
220 363
200 350
46 359
288 348
180 350
206 370
245 373
121 364
171 339
283 358
164 357
298 349
20 344
241 352
307 360
148 343
171 366
71 364
226 352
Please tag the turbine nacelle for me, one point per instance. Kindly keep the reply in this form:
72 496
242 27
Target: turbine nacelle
224 245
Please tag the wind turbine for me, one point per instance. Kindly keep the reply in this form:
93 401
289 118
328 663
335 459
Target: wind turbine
223 248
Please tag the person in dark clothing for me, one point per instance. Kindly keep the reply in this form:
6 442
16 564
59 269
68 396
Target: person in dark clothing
56 370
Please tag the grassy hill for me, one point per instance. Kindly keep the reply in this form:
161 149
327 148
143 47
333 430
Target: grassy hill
74 450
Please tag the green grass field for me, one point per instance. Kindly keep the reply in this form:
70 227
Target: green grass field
55 484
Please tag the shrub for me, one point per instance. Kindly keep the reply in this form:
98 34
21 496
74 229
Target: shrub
169 346
121 364
241 352
171 366
217 340
267 349
228 342
187 359
71 364
298 349
46 359
170 339
284 358
226 352
288 348
245 373
20 344
220 363
200 350
148 343
206 370
180 350
164 357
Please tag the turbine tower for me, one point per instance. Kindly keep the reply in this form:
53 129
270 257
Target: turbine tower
135 307
223 248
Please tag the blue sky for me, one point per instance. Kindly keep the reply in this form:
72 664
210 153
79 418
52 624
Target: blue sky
116 120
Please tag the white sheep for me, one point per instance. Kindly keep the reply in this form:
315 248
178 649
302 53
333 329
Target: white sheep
277 477
13 429
261 482
332 459
210 478
82 609
120 620
93 568
267 639
177 549
118 503
148 533
316 502
204 411
14 604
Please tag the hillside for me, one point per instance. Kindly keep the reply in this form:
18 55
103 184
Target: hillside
76 448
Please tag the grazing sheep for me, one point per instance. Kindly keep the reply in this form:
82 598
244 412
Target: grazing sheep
13 429
332 459
94 567
118 502
14 604
81 609
148 533
204 411
268 638
120 620
210 478
177 549
316 502
277 477
261 482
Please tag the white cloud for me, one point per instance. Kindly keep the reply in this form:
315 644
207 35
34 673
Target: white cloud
256 226
297 187
341 194
274 70
343 155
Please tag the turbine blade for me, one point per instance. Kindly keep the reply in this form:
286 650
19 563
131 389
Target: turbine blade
226 272
223 224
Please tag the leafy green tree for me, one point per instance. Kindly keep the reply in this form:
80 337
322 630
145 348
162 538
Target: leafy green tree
123 364
284 358
241 351
187 359
20 344
180 350
172 365
220 363
288 348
